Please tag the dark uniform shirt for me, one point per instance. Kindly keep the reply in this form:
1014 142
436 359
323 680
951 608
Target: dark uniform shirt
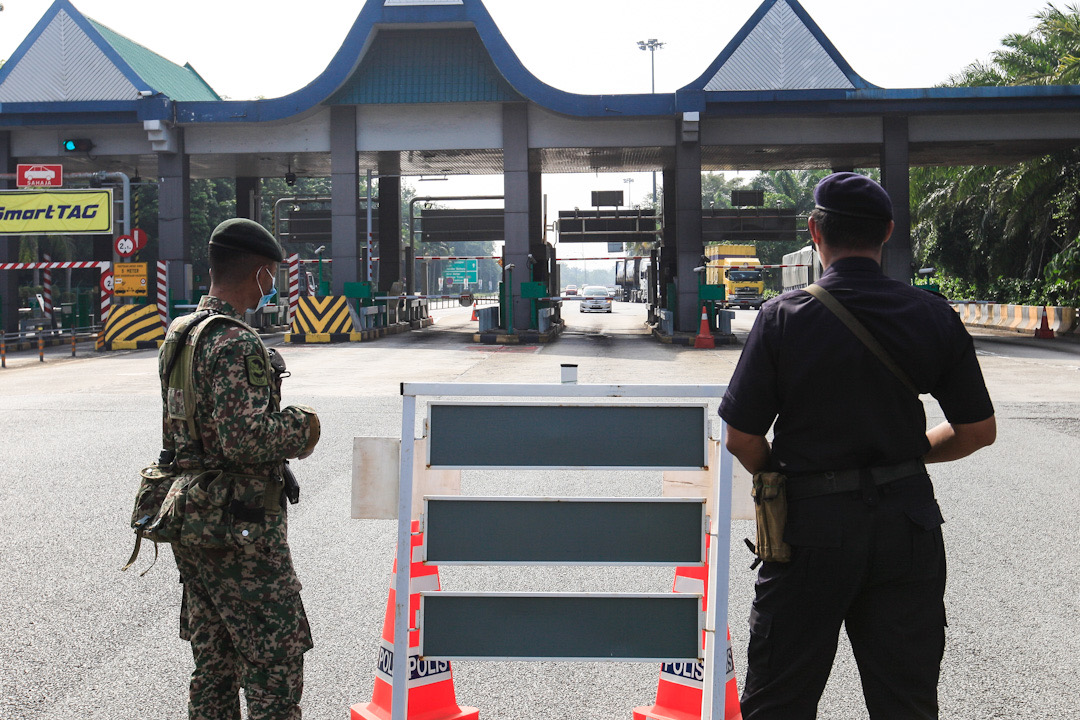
836 406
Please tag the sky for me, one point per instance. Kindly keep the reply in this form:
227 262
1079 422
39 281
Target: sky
268 48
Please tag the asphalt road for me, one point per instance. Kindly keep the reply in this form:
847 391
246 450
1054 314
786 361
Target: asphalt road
80 639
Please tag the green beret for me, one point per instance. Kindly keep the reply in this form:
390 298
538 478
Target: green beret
248 236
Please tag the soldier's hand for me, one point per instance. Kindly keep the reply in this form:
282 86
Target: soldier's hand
314 430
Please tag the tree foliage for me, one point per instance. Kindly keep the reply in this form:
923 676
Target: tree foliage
1010 233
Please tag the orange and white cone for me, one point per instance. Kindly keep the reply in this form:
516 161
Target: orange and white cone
704 337
474 315
1045 332
431 682
682 684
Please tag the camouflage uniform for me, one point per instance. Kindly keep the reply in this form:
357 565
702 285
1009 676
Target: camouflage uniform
241 609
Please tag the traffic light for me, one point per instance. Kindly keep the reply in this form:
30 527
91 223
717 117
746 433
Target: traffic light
78 145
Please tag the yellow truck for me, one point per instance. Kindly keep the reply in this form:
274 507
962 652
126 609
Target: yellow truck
738 270
744 282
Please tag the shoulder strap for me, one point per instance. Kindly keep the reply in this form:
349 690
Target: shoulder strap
180 369
862 333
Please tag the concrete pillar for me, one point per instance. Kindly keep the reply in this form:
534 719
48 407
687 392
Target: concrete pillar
174 216
536 220
345 230
249 198
689 245
667 267
9 249
389 221
516 191
895 178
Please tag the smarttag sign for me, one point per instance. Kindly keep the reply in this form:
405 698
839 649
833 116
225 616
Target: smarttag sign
39 176
56 212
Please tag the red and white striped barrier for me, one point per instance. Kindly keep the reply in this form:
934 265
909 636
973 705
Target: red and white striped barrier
293 262
163 293
46 291
100 265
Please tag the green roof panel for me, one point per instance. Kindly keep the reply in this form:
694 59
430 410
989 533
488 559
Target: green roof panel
425 66
164 76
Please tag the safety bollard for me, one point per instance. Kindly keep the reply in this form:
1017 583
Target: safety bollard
41 347
72 341
3 350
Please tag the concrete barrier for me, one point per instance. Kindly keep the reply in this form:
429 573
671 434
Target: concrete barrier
1018 318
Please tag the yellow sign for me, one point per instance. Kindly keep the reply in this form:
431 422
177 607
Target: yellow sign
56 212
129 280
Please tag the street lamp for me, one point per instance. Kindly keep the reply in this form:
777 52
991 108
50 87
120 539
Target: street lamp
652 45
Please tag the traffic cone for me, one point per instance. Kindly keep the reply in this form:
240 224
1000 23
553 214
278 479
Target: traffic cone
682 684
431 682
704 337
1044 332
474 317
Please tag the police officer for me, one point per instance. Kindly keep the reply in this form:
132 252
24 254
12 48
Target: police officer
863 523
241 608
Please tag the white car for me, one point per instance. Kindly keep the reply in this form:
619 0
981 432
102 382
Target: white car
594 298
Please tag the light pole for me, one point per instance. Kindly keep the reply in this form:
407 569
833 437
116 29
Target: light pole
652 45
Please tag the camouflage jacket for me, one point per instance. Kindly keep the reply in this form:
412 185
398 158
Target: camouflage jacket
241 426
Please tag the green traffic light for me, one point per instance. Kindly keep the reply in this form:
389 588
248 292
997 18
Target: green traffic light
77 145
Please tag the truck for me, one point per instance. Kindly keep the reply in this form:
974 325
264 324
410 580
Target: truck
632 279
801 268
744 287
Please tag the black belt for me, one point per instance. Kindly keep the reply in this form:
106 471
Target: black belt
828 483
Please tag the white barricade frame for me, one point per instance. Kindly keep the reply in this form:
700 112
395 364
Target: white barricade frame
713 697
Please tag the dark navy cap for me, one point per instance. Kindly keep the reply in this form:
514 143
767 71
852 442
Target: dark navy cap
248 236
853 195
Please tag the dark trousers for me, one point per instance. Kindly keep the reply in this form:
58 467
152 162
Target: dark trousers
874 561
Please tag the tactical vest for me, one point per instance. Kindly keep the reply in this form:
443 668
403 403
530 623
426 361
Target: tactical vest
200 507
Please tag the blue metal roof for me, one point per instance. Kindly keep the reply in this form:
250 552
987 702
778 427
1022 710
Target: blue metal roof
425 66
377 17
471 61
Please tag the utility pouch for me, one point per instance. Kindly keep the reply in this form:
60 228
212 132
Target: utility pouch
770 512
155 483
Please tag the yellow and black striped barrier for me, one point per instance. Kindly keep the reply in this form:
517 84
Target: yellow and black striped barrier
324 320
133 327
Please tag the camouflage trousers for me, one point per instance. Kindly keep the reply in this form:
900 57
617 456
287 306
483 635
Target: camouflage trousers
245 621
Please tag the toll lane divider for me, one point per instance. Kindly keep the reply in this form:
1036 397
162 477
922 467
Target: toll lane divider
1017 318
332 319
133 327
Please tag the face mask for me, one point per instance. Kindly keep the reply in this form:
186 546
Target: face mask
268 296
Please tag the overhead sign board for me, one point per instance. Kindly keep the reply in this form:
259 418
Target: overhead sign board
56 212
609 226
743 225
461 272
607 198
443 225
39 176
130 280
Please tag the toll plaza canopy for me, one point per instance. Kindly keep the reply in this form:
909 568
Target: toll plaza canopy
422 87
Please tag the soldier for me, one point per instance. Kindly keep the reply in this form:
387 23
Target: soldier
241 608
